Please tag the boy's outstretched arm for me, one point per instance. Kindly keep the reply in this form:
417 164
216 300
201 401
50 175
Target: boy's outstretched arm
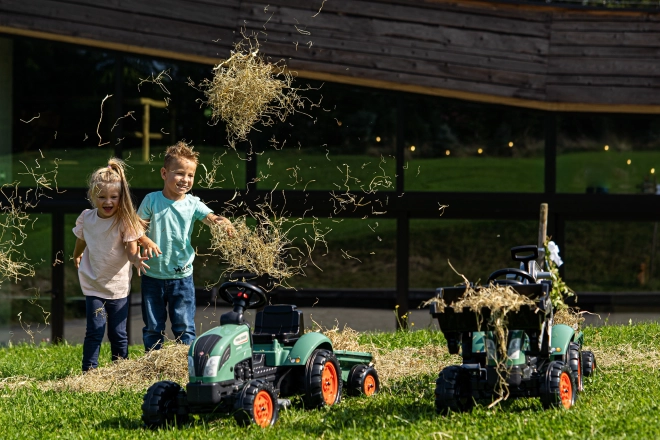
149 248
135 258
78 251
220 220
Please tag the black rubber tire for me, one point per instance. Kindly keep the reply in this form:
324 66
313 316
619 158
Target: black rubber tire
550 385
316 364
355 385
160 405
246 413
588 363
574 361
452 391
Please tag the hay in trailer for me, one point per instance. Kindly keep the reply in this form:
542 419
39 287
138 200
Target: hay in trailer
500 300
569 316
138 374
246 90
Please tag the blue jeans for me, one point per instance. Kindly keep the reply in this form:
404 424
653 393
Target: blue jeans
100 311
176 296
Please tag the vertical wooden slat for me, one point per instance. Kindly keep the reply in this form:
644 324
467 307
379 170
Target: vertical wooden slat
57 277
402 223
118 132
550 153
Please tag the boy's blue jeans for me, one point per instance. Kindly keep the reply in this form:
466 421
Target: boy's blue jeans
100 311
176 296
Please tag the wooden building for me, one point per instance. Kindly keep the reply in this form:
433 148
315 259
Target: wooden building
544 57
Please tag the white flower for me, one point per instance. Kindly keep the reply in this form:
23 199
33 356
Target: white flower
554 253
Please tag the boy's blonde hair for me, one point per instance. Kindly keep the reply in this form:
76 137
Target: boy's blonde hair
180 150
114 174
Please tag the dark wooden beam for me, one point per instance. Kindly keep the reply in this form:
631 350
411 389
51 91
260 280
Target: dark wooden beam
57 277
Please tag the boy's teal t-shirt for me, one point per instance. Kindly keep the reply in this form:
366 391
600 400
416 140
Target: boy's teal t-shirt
170 227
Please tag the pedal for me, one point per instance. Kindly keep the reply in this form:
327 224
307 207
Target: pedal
284 403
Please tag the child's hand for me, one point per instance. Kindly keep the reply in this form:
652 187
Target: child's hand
149 248
76 261
223 221
140 265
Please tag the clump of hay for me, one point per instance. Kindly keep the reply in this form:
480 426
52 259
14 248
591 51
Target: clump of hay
13 222
168 363
246 89
259 250
267 247
569 316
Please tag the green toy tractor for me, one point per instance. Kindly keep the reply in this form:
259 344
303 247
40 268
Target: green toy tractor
542 360
235 370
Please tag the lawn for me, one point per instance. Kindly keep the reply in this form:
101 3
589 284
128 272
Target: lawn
620 401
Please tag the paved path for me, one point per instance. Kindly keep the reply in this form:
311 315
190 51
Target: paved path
361 320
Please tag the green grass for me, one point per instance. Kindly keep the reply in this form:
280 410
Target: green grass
620 401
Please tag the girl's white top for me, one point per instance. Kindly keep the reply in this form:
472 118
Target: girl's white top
104 269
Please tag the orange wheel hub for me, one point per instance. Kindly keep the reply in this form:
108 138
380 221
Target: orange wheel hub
329 383
263 409
566 390
369 385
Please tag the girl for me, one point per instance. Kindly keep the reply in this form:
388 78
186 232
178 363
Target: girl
108 236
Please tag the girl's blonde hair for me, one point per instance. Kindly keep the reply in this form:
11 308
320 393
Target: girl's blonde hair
114 174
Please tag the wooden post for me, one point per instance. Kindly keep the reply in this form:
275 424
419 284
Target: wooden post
402 224
543 224
145 133
58 302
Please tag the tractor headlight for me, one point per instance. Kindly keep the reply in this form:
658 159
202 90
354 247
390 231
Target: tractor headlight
191 366
211 368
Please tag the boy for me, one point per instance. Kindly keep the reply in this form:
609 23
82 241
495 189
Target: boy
168 284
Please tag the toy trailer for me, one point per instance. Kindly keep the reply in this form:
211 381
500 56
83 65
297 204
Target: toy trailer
542 360
245 373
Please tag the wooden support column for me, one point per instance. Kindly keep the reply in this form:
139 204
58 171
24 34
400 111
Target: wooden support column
118 132
550 153
402 223
57 278
145 131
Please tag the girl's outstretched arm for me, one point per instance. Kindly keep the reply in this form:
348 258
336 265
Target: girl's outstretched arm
78 251
135 258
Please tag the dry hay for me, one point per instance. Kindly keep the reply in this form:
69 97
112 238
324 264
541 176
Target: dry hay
570 317
393 365
266 248
14 221
621 357
246 89
168 363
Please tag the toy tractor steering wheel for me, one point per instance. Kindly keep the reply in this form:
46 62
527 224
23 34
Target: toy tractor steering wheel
253 296
510 271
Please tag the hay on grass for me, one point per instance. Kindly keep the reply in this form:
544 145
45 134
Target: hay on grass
570 317
168 363
392 365
246 89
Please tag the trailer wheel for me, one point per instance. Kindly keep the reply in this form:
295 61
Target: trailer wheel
161 404
323 382
574 356
452 391
363 380
257 404
558 388
588 363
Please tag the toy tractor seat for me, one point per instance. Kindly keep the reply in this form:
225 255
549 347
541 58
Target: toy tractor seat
282 322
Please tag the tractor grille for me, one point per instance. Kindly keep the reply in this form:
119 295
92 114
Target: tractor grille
202 351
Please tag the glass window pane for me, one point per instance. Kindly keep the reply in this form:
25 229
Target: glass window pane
460 146
475 248
616 154
611 256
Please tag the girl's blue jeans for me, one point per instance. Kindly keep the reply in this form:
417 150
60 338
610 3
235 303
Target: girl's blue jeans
114 313
173 297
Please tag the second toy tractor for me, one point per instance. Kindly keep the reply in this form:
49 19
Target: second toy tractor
245 372
542 360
